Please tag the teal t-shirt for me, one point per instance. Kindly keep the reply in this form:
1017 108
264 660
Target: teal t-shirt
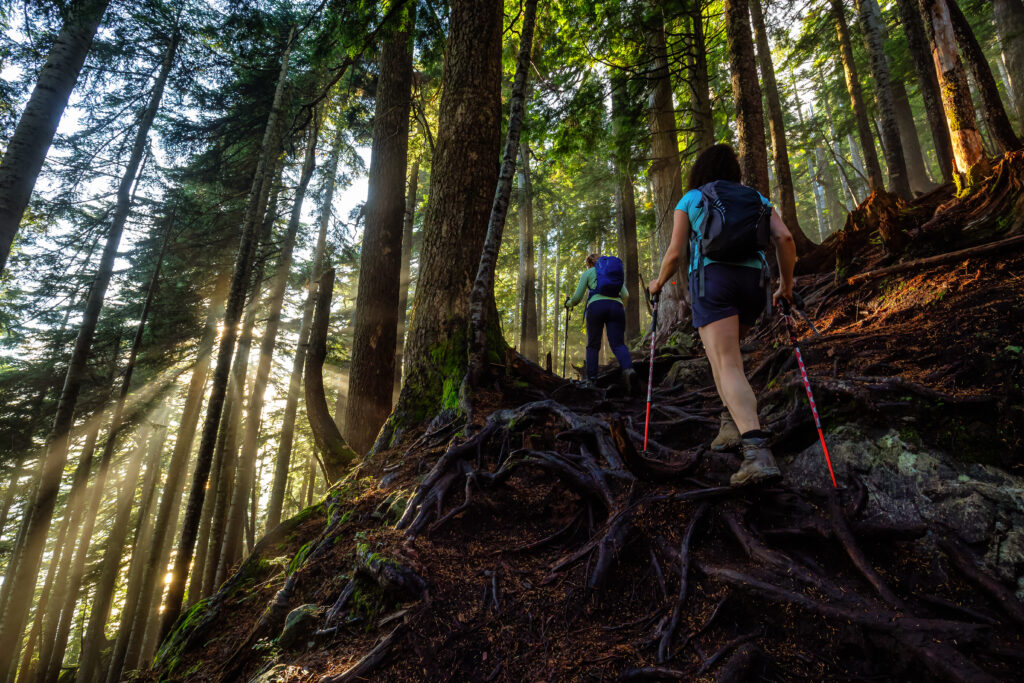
588 281
693 206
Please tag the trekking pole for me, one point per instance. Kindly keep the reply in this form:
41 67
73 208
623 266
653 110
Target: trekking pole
653 301
785 306
565 340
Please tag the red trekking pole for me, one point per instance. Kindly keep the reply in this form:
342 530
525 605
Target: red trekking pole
785 306
650 372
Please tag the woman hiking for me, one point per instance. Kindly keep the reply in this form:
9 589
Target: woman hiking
604 281
727 295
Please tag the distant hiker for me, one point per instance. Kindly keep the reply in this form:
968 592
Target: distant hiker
728 289
604 280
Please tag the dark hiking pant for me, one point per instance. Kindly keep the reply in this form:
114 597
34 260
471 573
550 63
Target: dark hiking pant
601 315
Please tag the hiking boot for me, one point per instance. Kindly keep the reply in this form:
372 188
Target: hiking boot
758 464
631 382
728 438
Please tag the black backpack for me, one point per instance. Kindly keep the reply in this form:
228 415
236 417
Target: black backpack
737 226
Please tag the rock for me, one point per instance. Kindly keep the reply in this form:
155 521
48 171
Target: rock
692 372
298 625
912 485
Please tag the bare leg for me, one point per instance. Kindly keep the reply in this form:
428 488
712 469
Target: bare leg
722 344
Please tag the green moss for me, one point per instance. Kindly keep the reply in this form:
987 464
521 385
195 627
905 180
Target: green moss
300 558
189 628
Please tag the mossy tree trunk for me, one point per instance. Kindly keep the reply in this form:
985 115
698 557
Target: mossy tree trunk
698 82
1008 16
375 328
969 158
928 84
464 174
991 105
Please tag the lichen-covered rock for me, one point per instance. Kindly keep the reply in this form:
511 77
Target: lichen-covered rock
298 625
692 372
911 485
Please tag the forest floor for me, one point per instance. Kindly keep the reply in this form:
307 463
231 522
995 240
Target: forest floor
541 546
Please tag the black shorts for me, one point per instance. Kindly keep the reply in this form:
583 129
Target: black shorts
728 290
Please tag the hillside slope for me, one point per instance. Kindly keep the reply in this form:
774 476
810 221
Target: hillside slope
542 546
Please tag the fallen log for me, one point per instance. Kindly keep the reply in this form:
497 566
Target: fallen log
1008 244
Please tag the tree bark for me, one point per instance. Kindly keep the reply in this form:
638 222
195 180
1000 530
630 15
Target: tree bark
233 312
1008 16
527 273
665 172
991 105
405 279
746 92
892 147
969 158
463 177
27 148
777 127
338 456
928 83
867 143
284 447
26 566
481 301
917 171
380 262
237 512
625 200
698 83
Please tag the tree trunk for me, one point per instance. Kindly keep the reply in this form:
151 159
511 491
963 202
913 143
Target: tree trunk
284 447
665 172
225 456
867 143
780 150
26 566
698 83
746 92
170 501
27 147
482 316
928 83
95 638
237 511
141 548
625 200
892 145
968 154
338 456
920 182
233 311
380 262
991 105
1008 16
527 273
405 277
462 181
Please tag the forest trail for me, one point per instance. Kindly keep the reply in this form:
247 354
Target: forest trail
544 547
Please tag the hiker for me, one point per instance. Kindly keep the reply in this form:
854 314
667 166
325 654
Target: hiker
604 280
728 293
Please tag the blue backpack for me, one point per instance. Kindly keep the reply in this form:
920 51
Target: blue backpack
610 276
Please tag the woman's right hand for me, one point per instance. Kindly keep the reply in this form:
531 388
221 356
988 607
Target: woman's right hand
783 292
